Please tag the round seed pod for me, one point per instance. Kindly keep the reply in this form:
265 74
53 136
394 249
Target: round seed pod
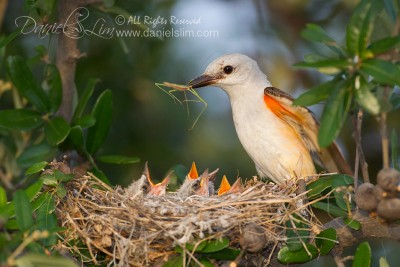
253 237
388 179
365 197
389 209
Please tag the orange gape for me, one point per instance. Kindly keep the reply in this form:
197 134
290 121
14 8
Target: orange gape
193 174
224 187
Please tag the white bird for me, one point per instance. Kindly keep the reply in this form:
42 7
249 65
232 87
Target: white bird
278 136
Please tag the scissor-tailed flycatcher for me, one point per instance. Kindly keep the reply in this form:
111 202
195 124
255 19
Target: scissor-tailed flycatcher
278 136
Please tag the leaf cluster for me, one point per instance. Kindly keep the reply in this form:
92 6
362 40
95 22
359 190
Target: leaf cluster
364 70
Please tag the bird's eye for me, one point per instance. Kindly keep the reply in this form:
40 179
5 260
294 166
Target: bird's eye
145 188
228 69
196 185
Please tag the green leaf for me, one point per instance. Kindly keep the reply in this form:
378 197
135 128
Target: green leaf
35 154
326 240
26 84
33 190
35 168
384 45
174 261
23 210
362 258
215 245
44 222
315 33
40 200
6 40
360 26
316 94
286 256
225 254
382 71
61 191
53 179
340 200
75 137
86 121
102 112
20 119
390 9
55 87
32 193
353 224
192 247
341 196
47 220
330 208
63 177
341 180
334 114
33 260
56 131
12 225
206 262
84 98
3 197
364 97
49 180
394 149
297 234
316 188
117 159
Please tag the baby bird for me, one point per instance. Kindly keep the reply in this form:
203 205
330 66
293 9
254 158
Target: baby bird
197 185
145 186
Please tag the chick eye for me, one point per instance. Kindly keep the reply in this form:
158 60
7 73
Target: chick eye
228 69
196 185
145 188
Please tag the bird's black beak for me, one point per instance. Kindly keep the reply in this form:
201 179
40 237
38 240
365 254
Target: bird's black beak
202 81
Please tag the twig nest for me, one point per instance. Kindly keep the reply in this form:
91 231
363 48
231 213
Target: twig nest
366 197
389 179
389 209
253 238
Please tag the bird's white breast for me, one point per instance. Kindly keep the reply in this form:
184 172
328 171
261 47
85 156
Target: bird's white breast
270 142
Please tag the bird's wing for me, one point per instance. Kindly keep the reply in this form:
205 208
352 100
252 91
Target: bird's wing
304 123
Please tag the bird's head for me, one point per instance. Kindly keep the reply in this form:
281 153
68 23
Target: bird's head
230 72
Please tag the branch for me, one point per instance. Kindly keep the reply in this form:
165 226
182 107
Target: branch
68 53
3 7
360 158
383 130
371 227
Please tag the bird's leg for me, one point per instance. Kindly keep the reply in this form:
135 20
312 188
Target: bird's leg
301 189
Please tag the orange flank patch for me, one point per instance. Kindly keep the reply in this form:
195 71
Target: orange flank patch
224 187
193 174
292 118
278 109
